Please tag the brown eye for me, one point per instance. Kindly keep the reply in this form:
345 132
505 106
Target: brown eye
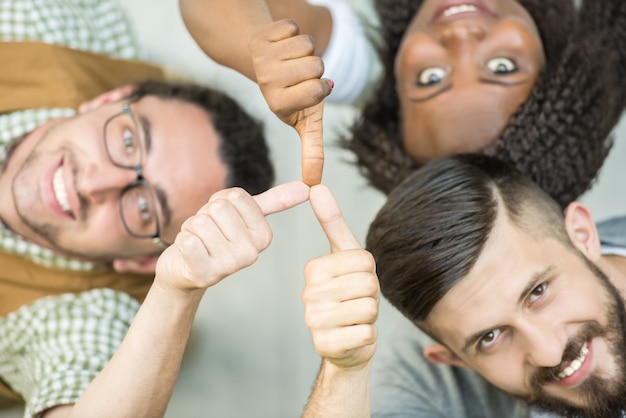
489 338
537 292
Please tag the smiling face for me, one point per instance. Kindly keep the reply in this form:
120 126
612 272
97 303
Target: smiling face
538 321
462 69
62 191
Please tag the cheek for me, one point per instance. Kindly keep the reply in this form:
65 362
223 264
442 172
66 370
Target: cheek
521 38
511 381
415 137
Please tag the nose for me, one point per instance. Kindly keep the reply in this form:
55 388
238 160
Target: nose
97 184
545 344
460 34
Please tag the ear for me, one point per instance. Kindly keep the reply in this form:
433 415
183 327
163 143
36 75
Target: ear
582 231
439 354
145 265
106 98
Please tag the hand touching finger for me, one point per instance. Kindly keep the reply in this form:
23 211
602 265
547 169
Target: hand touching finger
341 294
289 76
224 236
331 219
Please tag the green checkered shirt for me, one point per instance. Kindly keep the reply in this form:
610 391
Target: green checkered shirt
51 350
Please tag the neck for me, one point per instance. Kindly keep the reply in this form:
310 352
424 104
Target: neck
614 266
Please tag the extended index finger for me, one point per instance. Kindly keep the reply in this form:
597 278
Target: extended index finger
311 132
282 197
331 219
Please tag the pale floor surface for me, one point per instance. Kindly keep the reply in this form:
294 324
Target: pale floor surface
251 355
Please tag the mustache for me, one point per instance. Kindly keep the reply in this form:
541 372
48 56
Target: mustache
572 350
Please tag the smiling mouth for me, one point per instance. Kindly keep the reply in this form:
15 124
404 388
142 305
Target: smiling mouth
60 194
455 10
575 365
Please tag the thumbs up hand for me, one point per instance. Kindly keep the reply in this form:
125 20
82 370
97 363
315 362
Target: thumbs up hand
226 235
289 76
341 294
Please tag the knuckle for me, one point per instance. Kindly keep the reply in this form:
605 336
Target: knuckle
186 241
370 309
370 285
368 335
246 255
308 44
290 26
310 320
265 238
365 260
197 222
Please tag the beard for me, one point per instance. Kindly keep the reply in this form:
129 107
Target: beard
602 397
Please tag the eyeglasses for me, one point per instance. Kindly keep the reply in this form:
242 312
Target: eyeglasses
125 148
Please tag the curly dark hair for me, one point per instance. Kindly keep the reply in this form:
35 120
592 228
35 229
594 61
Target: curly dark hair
243 147
559 137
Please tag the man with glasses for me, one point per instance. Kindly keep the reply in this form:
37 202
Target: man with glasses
92 192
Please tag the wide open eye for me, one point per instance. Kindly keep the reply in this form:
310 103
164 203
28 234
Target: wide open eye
489 339
431 76
502 66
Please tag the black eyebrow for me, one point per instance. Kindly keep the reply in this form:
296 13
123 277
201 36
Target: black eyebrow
147 133
482 80
532 283
166 210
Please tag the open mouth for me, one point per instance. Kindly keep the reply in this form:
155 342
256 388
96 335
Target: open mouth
455 10
459 8
60 194
575 365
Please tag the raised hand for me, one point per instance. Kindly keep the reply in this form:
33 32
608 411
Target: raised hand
224 236
341 294
289 76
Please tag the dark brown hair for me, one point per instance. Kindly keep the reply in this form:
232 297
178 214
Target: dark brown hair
433 227
242 147
559 137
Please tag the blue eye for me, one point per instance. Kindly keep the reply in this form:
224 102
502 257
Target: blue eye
502 66
489 339
431 76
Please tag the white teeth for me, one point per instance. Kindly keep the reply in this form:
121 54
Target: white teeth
463 8
59 191
575 365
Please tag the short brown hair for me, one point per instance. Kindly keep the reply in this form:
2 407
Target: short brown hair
433 227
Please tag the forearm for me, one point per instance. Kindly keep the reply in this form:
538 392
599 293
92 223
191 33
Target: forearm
340 393
223 29
139 379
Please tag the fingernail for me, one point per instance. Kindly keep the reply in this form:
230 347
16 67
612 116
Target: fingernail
332 83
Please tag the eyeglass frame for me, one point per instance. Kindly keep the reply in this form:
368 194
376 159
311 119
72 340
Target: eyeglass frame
140 180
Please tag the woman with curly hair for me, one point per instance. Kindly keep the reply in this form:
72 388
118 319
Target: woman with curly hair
535 82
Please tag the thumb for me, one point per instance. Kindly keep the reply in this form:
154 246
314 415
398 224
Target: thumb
311 131
282 197
331 219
